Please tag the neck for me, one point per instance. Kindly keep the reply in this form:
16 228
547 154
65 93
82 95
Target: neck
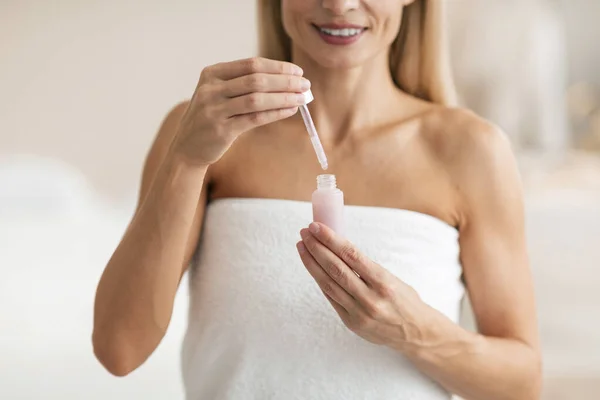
349 100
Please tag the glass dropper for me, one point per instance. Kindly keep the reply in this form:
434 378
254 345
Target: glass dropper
312 131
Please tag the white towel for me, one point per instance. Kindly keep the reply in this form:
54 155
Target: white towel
260 328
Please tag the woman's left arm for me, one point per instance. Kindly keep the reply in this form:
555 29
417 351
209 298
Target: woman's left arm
502 360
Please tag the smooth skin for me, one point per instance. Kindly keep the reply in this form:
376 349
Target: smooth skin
239 137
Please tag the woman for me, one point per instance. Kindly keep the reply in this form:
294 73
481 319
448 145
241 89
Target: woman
433 199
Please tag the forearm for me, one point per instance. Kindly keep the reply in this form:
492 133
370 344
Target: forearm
135 296
471 365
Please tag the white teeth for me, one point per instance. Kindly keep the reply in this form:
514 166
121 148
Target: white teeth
341 32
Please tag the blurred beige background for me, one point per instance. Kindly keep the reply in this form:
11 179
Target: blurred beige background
84 86
90 81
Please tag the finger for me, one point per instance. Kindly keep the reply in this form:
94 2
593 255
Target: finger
329 287
256 102
369 271
243 123
265 83
334 267
234 69
339 309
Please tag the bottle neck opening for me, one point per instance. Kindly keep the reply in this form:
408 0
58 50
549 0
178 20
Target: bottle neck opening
326 181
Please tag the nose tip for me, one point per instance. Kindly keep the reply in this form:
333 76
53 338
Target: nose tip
340 7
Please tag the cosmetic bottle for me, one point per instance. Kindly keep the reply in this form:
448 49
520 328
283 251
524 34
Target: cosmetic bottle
328 203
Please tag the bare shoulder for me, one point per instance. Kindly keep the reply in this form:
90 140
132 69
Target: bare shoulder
458 136
476 154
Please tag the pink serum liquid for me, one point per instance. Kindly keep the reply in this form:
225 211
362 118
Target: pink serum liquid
328 203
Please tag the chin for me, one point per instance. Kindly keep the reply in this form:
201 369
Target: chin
332 62
348 60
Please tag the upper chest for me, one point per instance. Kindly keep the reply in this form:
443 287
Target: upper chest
389 169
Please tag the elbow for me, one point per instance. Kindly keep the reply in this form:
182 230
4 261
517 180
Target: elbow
532 387
116 356
533 390
538 378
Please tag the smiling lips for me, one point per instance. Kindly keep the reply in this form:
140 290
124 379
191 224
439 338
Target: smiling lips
340 35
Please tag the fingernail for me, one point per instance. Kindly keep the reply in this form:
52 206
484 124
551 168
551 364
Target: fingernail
301 247
314 227
297 70
304 84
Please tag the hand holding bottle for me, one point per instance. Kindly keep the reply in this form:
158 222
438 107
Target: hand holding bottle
234 97
371 301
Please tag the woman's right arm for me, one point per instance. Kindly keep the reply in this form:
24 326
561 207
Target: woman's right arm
135 295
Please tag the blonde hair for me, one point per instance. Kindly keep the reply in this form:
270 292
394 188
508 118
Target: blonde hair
419 61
